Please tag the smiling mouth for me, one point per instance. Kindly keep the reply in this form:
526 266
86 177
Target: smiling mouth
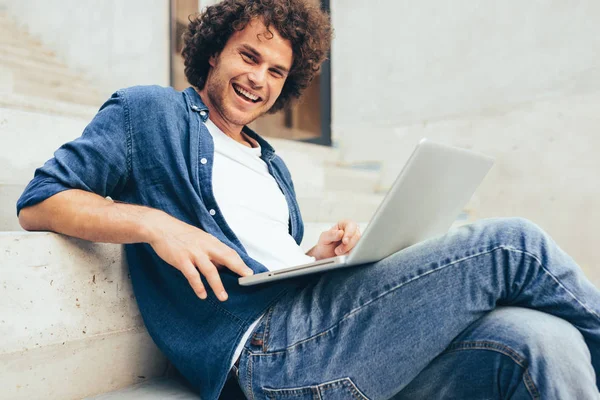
245 95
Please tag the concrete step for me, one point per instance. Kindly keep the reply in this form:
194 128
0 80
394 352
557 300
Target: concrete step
35 72
6 80
77 94
52 74
157 389
309 164
78 369
14 34
336 205
45 106
44 56
69 317
9 194
301 153
19 39
305 162
352 178
44 133
13 81
42 83
70 325
6 19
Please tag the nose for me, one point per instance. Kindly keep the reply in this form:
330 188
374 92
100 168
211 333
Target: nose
258 76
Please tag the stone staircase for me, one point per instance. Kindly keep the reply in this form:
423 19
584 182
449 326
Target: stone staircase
70 326
27 68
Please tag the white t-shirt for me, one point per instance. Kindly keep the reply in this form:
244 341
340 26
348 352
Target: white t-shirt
253 205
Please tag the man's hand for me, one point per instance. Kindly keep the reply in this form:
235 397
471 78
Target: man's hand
194 252
337 241
91 217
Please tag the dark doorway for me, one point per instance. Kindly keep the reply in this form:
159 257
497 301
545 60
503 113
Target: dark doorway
180 11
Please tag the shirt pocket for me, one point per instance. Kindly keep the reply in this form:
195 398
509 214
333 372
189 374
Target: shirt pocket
340 389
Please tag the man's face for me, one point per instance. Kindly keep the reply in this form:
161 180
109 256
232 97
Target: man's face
247 76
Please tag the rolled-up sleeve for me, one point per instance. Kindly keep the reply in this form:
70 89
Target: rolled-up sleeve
98 161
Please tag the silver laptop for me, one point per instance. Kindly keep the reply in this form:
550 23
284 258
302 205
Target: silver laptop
424 201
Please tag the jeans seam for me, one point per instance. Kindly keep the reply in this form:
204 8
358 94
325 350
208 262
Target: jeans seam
358 394
352 312
218 307
554 278
129 133
498 247
487 345
345 383
249 377
266 331
531 388
502 349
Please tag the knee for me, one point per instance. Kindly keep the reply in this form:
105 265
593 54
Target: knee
546 352
549 338
535 337
514 231
519 225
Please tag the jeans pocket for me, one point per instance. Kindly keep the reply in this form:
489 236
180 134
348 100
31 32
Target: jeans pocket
339 389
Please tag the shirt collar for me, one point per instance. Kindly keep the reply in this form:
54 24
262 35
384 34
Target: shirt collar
196 104
267 151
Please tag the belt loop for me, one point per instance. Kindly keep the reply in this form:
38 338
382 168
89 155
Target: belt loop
259 336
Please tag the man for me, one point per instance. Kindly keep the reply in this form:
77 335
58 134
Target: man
200 200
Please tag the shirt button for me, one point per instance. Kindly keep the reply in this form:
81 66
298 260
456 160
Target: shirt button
195 107
203 113
203 161
212 212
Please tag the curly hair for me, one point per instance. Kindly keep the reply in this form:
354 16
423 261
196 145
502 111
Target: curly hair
305 25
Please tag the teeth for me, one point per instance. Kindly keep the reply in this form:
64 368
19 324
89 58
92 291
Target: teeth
245 93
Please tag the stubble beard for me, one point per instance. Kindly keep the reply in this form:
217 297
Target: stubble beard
217 93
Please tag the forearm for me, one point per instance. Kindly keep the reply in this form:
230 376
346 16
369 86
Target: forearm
91 217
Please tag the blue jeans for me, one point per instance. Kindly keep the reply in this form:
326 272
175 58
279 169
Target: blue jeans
490 310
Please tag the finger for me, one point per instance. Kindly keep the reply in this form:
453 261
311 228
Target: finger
352 243
209 271
348 226
332 235
226 256
344 224
193 277
348 245
349 231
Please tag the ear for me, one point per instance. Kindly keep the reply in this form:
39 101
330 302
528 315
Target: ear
212 61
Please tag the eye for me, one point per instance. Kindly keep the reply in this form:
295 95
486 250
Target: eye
277 73
250 59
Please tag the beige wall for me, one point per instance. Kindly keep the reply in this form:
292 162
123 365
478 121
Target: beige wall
517 80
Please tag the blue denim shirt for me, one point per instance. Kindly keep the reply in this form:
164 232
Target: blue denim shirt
144 147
